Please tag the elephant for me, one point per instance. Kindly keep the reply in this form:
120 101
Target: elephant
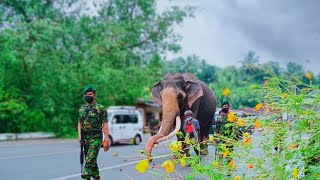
177 93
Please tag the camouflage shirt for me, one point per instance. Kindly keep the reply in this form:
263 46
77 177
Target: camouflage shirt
221 123
225 128
96 115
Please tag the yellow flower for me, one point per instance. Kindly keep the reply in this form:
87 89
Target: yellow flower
249 166
241 122
309 76
295 173
246 141
293 146
257 123
236 178
175 146
266 82
211 138
258 106
215 163
169 166
246 135
226 153
142 165
232 117
226 92
183 161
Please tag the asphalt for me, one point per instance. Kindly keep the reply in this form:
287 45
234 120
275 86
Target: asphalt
59 159
56 159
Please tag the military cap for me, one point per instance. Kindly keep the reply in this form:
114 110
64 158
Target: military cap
89 88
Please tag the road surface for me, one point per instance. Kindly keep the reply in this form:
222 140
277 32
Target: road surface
56 159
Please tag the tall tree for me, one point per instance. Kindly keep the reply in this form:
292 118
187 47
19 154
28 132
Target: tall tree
50 49
191 64
250 69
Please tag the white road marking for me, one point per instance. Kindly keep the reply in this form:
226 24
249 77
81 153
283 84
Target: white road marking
36 155
106 168
34 142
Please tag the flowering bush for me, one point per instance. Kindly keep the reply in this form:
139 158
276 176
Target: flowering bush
285 144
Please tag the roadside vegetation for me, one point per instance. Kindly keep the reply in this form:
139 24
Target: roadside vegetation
285 144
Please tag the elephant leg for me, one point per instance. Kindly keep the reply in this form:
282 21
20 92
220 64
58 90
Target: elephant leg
204 146
204 137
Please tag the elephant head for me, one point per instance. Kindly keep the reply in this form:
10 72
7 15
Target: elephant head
175 94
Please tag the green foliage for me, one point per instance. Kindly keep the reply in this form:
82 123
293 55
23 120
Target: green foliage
301 150
244 81
49 53
191 64
17 117
279 148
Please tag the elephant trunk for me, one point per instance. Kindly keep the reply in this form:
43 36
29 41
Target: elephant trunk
170 109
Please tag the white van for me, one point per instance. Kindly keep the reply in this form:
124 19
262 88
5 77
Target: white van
125 124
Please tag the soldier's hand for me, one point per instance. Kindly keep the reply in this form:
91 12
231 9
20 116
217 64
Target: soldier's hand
106 145
79 139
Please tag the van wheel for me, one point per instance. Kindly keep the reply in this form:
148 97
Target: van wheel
110 141
137 140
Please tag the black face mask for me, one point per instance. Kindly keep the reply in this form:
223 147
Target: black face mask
225 110
89 99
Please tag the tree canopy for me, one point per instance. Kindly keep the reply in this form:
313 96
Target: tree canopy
49 52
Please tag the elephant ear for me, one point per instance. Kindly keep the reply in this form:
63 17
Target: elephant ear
155 91
194 92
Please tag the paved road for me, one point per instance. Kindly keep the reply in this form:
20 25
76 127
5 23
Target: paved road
59 159
56 159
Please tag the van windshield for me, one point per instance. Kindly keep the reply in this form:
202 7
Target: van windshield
125 119
109 116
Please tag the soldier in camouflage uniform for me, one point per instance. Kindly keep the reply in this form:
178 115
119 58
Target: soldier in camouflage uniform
92 121
227 129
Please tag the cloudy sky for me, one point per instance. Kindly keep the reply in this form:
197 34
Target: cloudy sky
223 31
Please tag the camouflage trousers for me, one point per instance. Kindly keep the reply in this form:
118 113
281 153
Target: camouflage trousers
92 144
